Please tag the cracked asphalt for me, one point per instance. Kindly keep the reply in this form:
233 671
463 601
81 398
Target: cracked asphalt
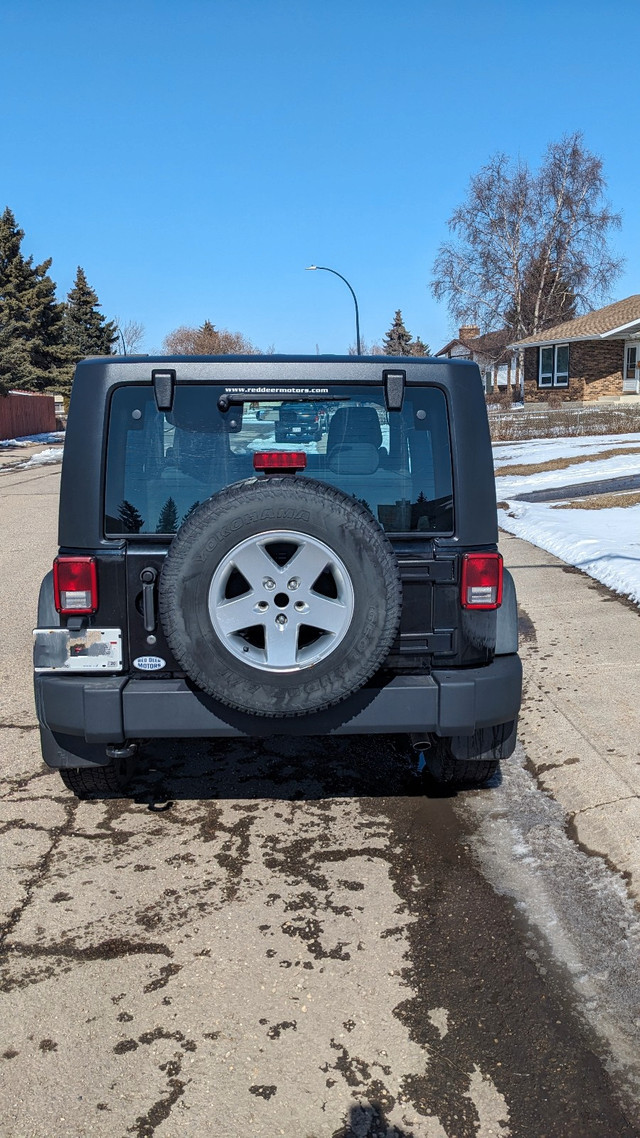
297 937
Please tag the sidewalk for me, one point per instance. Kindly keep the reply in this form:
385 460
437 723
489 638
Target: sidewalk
580 720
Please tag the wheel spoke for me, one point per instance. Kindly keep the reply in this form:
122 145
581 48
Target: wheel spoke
307 563
254 563
238 613
281 644
326 614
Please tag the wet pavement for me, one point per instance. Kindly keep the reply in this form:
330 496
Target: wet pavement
291 934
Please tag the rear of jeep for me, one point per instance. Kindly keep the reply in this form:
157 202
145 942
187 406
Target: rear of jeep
215 580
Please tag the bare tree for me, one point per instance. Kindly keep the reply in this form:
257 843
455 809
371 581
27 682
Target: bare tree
130 335
529 249
207 341
366 349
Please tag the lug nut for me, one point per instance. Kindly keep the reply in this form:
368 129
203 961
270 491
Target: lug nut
294 583
281 620
269 583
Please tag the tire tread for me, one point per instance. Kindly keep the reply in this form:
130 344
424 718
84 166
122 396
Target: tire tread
93 782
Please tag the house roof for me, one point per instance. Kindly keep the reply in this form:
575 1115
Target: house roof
491 345
452 344
613 320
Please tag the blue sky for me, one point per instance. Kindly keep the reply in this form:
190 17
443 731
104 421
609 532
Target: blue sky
194 156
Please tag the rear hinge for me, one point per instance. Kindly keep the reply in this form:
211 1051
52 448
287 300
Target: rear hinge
394 382
163 387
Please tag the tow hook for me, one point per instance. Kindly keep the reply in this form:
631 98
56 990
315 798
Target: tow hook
121 750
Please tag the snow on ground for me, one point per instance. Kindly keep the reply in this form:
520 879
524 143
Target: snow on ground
542 450
43 458
545 450
29 440
623 464
603 543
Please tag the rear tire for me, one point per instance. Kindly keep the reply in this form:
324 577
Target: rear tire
96 782
470 760
81 767
457 772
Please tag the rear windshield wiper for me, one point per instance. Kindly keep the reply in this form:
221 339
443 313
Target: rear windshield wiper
278 395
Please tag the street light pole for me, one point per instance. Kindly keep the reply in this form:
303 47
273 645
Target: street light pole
324 269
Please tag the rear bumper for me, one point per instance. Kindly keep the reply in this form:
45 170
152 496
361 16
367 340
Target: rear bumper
110 709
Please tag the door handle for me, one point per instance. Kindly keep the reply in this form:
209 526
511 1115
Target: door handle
148 577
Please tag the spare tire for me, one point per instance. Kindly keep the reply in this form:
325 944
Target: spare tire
280 596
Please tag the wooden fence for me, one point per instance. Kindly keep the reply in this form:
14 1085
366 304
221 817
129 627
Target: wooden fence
25 414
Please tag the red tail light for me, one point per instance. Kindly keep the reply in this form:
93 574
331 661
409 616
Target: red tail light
75 585
481 584
291 460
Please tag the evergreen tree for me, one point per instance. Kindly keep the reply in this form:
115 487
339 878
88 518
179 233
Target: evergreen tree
547 298
168 520
419 348
190 511
86 331
131 518
32 352
11 356
397 341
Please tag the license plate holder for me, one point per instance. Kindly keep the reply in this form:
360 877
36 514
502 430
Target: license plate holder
87 650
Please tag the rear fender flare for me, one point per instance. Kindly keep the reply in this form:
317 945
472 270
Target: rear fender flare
507 622
47 615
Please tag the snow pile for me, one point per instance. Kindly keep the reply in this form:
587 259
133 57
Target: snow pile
42 458
29 440
603 543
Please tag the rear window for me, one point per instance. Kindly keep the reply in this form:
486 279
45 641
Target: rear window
162 464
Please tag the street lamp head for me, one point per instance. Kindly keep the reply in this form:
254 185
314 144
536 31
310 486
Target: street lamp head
337 274
310 267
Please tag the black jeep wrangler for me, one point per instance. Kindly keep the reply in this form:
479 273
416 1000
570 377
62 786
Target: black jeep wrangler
213 580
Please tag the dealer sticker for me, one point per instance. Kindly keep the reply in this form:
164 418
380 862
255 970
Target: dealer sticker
150 663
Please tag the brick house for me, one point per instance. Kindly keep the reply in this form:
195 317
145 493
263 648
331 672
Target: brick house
499 364
596 356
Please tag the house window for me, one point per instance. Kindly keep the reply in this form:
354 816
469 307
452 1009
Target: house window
631 364
554 366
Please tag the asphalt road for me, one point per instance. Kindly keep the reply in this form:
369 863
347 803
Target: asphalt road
581 489
295 937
